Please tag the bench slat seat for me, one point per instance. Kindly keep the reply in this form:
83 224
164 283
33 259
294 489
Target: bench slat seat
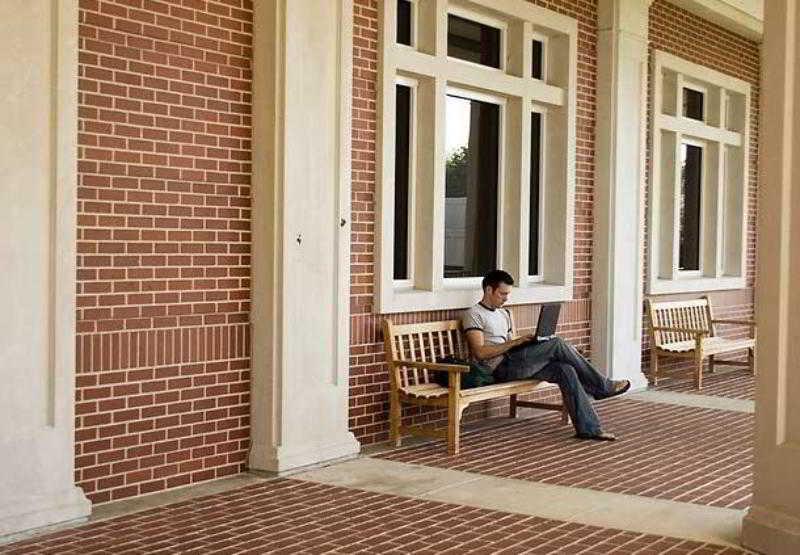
411 353
686 330
711 345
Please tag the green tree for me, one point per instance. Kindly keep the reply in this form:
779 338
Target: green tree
456 174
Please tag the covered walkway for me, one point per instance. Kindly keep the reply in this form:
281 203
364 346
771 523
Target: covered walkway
679 481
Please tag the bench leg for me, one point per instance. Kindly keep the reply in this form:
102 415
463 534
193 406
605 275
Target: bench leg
751 359
395 415
564 414
711 363
512 407
654 366
698 379
453 426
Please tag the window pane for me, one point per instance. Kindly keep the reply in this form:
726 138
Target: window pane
693 104
402 158
472 149
538 59
691 186
404 22
473 41
536 156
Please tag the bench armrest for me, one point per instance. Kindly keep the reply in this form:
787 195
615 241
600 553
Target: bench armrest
693 331
750 323
460 368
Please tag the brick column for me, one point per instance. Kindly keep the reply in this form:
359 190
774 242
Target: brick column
773 523
619 190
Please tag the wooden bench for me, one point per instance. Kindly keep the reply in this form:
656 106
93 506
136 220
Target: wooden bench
687 330
411 353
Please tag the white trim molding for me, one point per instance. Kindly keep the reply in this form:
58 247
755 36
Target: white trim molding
772 524
38 205
743 17
518 93
301 250
617 287
724 135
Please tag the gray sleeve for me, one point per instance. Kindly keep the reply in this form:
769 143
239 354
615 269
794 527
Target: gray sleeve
471 320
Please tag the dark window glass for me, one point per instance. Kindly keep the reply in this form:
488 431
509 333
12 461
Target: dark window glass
404 22
470 223
402 158
536 157
538 59
473 41
691 187
693 104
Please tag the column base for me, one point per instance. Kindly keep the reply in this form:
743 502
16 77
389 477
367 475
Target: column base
27 512
283 459
638 382
770 531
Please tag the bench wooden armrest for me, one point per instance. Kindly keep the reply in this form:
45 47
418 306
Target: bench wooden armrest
461 368
681 330
750 323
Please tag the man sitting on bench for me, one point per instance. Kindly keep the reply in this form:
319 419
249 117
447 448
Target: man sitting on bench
488 330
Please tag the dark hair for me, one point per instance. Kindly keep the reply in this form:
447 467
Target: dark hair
494 278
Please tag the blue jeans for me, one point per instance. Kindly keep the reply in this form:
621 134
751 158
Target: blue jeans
556 361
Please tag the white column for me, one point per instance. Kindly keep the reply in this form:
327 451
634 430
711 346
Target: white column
619 189
772 524
38 202
301 233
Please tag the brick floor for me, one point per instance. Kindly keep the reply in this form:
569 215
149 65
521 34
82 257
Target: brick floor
290 516
686 454
734 384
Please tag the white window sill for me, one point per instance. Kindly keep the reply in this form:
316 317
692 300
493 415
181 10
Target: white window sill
416 300
694 284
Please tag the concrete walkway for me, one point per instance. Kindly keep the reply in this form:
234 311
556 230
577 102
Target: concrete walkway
597 508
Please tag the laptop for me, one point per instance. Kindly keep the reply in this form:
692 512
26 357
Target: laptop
548 320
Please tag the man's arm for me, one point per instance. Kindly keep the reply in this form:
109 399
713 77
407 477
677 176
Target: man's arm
482 350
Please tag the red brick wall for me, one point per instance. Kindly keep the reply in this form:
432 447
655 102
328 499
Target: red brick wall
163 244
368 375
690 37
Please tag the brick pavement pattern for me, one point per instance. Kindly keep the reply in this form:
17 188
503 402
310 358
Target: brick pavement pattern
290 516
686 454
736 384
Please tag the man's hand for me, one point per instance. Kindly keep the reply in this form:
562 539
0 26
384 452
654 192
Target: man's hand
482 350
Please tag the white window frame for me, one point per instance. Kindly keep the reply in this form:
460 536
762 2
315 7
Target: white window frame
412 84
414 16
688 274
544 39
436 74
542 111
477 17
722 266
697 88
500 102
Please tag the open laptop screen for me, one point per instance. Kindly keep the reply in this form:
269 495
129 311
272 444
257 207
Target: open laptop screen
548 320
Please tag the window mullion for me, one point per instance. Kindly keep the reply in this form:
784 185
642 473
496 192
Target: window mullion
675 242
718 209
432 215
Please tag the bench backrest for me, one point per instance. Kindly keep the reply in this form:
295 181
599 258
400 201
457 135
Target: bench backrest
427 342
694 314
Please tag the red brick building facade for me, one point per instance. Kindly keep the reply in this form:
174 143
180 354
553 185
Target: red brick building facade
163 343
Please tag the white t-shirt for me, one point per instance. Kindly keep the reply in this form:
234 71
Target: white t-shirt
495 323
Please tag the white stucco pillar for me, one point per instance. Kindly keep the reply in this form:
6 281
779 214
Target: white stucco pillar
38 203
619 189
772 524
301 233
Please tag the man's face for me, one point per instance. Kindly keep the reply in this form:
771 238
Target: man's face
498 296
